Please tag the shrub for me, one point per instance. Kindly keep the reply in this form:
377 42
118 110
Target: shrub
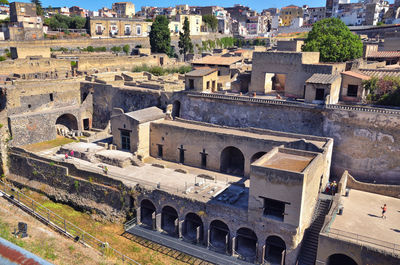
116 49
2 58
90 49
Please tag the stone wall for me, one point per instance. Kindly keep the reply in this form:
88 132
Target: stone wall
68 184
107 97
387 190
366 141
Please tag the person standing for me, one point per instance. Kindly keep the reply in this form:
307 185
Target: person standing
72 153
384 208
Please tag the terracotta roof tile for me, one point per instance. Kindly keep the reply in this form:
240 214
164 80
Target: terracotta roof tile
357 75
384 54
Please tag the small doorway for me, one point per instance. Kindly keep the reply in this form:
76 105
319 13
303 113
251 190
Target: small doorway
125 140
191 84
86 125
319 94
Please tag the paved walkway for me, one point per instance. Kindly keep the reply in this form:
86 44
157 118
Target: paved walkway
362 218
190 249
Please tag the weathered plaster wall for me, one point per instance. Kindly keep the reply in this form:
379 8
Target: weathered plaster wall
366 143
107 97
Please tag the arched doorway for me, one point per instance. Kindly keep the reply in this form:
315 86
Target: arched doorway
219 236
66 123
275 250
232 161
340 259
246 244
148 213
169 220
176 109
193 228
256 156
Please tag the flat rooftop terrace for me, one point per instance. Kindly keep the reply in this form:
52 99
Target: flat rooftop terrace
362 216
259 134
291 162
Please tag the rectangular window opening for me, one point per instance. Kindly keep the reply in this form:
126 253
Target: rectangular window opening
51 97
352 90
125 140
274 209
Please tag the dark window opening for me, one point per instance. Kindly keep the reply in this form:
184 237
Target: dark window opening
219 72
204 158
191 84
181 155
125 140
51 97
319 94
29 106
86 125
160 150
208 84
274 208
352 90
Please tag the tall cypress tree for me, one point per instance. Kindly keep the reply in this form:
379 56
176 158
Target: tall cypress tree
185 43
160 38
39 9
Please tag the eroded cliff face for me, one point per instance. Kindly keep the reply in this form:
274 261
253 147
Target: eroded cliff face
4 133
366 143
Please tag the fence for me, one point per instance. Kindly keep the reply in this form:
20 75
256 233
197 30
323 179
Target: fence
60 224
362 240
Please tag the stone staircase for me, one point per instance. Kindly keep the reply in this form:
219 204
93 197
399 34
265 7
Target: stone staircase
308 253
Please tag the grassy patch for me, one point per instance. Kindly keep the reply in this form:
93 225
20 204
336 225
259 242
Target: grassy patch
107 232
49 144
158 71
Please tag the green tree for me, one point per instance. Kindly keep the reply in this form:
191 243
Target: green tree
333 39
160 38
4 2
126 48
211 21
39 9
116 49
185 43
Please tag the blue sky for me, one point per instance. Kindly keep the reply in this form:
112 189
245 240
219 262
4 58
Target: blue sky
254 4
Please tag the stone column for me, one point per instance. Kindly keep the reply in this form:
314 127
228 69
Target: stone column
233 246
138 217
208 238
180 228
158 222
227 244
198 232
262 255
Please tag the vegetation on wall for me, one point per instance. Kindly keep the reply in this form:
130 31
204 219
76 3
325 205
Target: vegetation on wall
383 91
158 71
333 39
211 21
65 22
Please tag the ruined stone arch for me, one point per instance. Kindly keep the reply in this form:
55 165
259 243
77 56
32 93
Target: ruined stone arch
147 213
170 220
67 121
219 235
275 249
340 259
256 156
193 228
246 243
232 161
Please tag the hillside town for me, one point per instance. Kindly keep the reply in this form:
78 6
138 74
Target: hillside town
200 134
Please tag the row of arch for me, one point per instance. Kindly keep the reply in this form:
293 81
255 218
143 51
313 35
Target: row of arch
218 237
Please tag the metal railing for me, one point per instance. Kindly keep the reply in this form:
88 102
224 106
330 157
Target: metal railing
129 224
60 224
363 240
